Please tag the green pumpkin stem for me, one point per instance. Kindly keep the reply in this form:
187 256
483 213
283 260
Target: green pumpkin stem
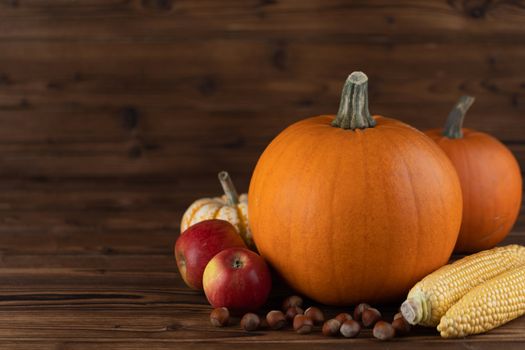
353 109
229 189
456 116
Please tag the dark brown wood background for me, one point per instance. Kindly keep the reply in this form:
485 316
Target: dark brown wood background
116 114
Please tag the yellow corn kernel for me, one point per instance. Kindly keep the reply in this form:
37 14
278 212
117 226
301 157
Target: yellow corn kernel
431 297
487 306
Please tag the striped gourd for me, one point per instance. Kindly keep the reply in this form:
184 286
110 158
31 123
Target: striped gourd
487 306
431 298
230 207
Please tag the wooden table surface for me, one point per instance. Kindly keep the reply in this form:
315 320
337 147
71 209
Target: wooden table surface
89 265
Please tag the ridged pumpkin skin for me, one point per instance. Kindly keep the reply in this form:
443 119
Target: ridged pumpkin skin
354 215
491 182
218 208
230 207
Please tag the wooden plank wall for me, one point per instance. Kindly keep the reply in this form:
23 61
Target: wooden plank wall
97 95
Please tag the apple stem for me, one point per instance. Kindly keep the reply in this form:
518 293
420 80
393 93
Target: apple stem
237 263
229 189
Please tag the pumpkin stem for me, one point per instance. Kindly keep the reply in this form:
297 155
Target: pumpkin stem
456 116
229 189
353 109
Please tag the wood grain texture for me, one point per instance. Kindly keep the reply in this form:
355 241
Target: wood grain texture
167 88
116 114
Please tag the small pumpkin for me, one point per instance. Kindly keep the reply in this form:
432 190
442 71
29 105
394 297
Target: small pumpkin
352 207
230 207
490 179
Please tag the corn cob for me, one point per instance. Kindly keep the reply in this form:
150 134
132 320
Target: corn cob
487 306
431 297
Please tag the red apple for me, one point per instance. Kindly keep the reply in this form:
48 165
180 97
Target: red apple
199 243
238 279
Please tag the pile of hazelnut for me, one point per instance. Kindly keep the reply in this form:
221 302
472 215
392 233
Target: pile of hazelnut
303 322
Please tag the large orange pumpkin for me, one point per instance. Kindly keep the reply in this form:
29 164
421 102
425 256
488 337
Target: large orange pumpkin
490 179
353 207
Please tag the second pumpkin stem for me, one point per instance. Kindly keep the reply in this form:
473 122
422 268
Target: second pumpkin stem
456 116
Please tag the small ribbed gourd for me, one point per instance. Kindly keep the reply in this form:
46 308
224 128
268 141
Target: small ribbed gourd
230 207
435 294
487 306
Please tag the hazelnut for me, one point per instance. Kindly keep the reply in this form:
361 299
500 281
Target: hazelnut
250 322
302 324
292 301
398 315
401 326
383 330
343 316
370 317
220 317
315 314
358 311
292 312
350 329
331 327
275 319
